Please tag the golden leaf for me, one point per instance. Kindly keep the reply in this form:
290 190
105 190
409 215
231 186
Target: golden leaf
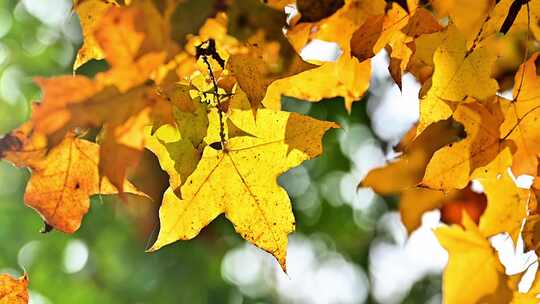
461 72
522 124
473 273
506 208
451 166
240 181
347 77
90 14
122 45
407 172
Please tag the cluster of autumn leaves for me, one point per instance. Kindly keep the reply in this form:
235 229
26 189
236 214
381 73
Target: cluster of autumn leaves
468 132
203 93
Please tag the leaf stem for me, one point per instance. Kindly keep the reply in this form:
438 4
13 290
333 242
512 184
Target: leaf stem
204 53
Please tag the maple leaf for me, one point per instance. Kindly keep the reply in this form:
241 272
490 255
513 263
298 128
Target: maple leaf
473 273
179 145
451 166
120 99
414 202
61 184
90 13
506 208
347 77
377 31
106 27
62 179
89 106
240 180
408 171
461 72
253 72
122 44
521 122
469 17
403 44
13 291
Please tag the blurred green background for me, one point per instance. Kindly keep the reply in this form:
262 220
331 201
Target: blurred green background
349 246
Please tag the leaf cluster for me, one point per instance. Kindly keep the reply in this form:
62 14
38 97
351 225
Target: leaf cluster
205 97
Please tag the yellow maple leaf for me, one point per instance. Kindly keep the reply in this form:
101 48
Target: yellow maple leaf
240 180
254 74
90 14
522 124
347 77
377 32
468 16
414 202
407 172
473 273
462 72
13 291
451 166
403 44
506 208
122 45
61 184
179 145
